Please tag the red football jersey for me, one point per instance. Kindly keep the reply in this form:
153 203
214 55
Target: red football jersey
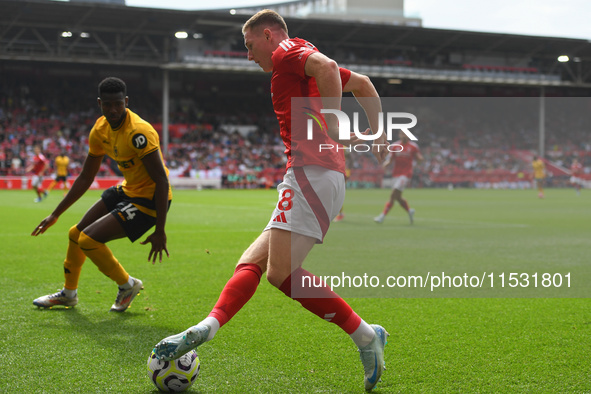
576 169
403 160
290 80
39 162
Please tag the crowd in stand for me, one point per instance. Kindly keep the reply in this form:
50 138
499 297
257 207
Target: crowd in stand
210 149
206 144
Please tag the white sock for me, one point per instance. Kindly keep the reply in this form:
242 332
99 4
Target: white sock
70 293
214 324
128 285
363 335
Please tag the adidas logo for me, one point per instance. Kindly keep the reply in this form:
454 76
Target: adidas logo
329 316
280 218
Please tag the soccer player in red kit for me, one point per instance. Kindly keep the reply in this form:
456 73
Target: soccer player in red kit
404 156
314 186
576 170
37 169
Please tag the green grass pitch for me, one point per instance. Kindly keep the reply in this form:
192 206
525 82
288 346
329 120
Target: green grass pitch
450 340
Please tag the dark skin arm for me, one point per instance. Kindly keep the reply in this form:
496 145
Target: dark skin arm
155 168
81 184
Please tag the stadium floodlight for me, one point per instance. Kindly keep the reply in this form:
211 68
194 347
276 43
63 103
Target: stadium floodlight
66 34
563 58
181 35
197 36
232 11
84 35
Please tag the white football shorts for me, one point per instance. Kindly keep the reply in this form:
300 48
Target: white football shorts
399 182
576 180
310 198
36 180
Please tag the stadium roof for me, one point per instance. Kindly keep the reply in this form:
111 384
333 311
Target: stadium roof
115 34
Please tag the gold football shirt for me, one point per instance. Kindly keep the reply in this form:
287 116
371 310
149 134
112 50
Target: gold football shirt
128 145
61 165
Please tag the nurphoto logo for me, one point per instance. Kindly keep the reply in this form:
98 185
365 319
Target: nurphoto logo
345 129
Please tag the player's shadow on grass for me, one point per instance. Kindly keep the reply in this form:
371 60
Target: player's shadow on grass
110 328
126 323
125 335
100 328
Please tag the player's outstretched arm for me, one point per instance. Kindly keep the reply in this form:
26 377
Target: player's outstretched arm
155 168
90 168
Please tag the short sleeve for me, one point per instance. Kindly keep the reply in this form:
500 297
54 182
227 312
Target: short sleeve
144 140
291 57
95 147
345 76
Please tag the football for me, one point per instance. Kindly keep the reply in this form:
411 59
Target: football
176 375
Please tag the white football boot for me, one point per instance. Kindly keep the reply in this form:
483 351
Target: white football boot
379 218
411 215
58 298
174 346
372 357
125 296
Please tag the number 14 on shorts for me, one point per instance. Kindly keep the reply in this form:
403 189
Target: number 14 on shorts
129 210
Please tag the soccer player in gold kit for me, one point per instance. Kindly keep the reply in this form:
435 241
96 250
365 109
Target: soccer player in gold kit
61 163
539 174
126 210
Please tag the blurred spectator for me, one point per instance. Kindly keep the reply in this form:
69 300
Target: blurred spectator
238 139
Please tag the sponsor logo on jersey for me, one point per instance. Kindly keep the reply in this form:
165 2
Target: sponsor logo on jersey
140 141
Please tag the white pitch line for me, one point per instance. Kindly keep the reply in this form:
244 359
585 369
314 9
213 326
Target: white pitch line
206 230
476 223
52 234
466 223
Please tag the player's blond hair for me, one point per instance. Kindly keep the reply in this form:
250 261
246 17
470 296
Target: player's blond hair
265 18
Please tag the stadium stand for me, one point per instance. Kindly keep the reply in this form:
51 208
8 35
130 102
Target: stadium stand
220 124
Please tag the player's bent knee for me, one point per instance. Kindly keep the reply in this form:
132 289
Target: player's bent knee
259 260
262 265
86 243
276 278
74 234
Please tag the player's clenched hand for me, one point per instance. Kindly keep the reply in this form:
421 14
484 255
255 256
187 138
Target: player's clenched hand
355 140
44 225
380 148
158 241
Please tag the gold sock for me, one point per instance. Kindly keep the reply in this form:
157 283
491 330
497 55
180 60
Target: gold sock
103 258
74 260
